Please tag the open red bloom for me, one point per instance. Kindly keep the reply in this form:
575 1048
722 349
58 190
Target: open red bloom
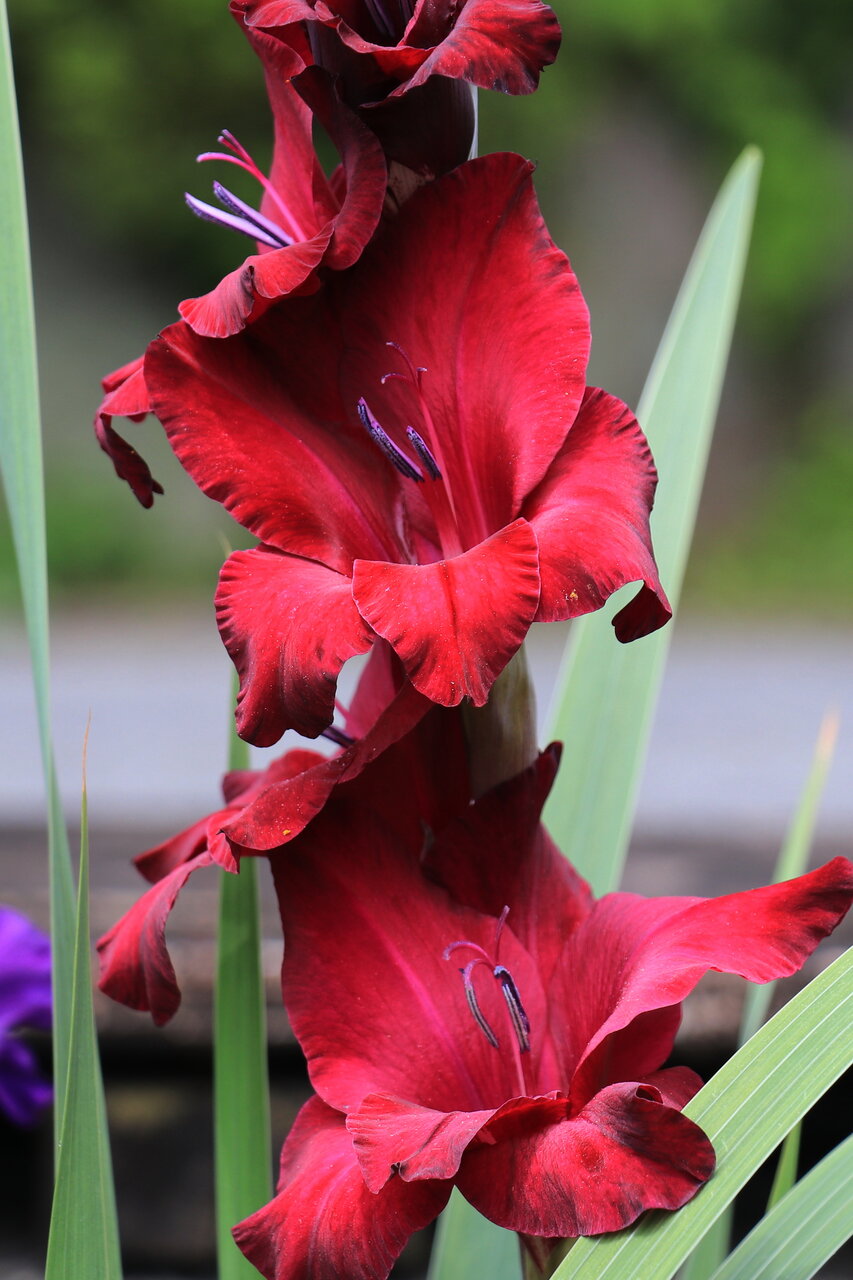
480 1021
305 220
416 449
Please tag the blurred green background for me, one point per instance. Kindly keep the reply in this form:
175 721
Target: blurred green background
633 130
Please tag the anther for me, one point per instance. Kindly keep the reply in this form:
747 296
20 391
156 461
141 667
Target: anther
222 219
471 997
239 216
520 1020
423 451
238 206
386 444
517 1013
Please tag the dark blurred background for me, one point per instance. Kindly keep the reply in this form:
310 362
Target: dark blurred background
633 130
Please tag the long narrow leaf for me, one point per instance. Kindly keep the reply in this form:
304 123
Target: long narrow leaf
808 1226
83 1237
746 1109
21 466
606 692
241 1082
468 1245
794 857
786 1168
792 861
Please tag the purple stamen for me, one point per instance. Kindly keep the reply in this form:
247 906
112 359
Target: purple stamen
471 997
240 157
520 1020
238 206
423 451
338 736
246 228
517 1014
386 444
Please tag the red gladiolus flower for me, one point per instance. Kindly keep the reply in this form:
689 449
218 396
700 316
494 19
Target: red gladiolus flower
399 45
407 67
305 220
486 1024
415 447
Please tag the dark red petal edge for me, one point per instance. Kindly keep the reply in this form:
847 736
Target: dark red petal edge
324 1224
127 397
135 966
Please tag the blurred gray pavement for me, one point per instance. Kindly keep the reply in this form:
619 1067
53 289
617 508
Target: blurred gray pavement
733 737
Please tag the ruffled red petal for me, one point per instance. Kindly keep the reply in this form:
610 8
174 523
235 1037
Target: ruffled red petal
127 397
494 44
334 230
393 1018
591 516
227 308
259 425
135 966
282 809
456 623
289 625
467 280
362 177
393 1137
634 956
544 1174
324 1223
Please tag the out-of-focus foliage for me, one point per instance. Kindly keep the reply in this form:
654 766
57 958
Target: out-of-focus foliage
793 547
121 98
116 101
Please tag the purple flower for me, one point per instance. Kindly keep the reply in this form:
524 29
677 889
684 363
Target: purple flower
24 1003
